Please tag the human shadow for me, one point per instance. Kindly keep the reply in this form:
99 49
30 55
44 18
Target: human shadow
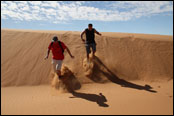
99 99
114 78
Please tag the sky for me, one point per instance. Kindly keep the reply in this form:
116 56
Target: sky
150 17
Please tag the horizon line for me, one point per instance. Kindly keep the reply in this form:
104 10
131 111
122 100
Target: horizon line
78 31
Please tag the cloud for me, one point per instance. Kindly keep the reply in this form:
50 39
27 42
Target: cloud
53 4
36 3
143 8
62 12
25 8
12 5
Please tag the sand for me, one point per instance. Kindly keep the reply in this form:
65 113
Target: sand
119 100
133 73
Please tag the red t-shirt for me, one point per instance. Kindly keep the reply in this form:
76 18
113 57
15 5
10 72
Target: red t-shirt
56 50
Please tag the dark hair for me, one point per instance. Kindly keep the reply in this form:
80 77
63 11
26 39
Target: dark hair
55 38
90 25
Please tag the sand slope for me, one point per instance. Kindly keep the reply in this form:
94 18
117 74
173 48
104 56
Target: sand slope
140 67
126 56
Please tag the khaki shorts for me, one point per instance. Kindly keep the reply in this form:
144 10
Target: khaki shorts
57 64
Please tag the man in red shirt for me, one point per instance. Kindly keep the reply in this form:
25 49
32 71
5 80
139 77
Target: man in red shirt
57 48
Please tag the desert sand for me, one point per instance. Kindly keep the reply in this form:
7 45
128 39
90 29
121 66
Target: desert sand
131 74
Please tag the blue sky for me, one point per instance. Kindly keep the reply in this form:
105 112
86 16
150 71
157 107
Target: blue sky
151 17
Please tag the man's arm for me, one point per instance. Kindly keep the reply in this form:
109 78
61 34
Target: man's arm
48 52
97 32
82 35
69 52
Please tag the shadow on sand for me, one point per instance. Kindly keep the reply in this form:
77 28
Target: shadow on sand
99 99
71 83
97 71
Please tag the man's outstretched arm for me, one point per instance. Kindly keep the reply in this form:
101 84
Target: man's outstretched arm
97 32
69 52
48 52
82 35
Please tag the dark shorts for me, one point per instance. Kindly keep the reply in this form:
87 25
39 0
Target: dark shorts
89 46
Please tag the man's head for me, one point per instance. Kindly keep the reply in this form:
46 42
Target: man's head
90 26
55 38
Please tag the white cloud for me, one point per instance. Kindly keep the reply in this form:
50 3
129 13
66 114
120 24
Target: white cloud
3 5
143 8
56 22
35 7
25 8
12 14
35 3
21 3
53 4
57 12
12 6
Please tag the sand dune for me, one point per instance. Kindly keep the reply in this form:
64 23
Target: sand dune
131 74
128 56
